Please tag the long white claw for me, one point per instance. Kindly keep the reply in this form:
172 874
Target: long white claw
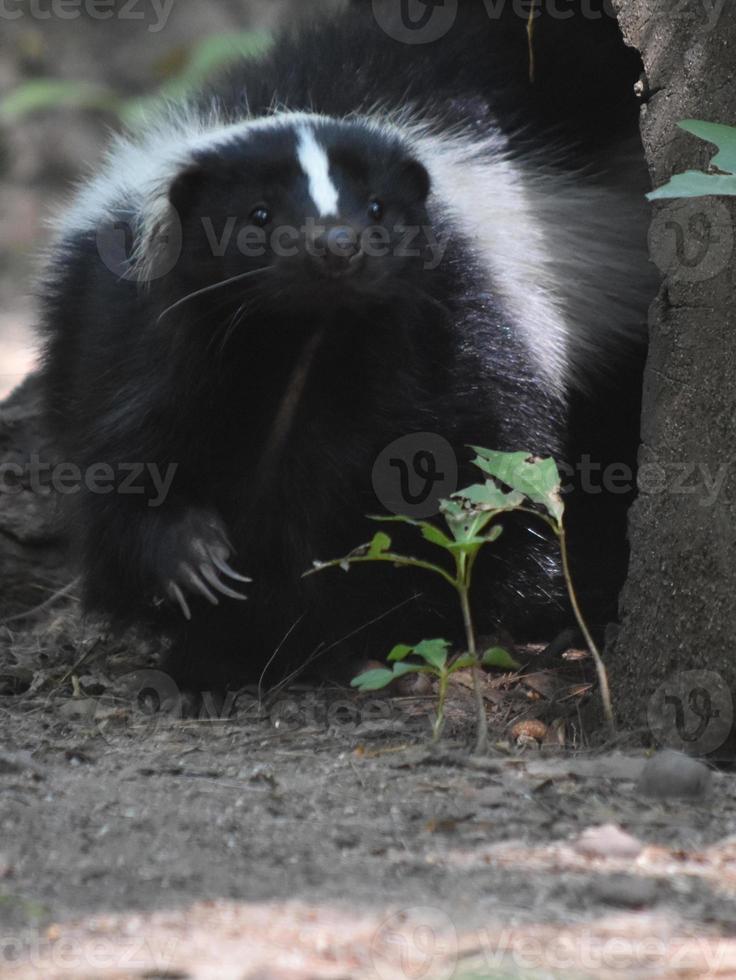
199 585
179 596
214 581
227 570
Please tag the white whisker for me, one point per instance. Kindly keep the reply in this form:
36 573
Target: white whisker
246 308
211 288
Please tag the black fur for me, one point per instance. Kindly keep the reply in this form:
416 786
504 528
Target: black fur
396 349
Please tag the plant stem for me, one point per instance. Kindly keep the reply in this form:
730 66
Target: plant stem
481 721
400 560
439 721
599 665
559 529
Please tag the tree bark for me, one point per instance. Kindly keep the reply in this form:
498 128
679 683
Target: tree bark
679 605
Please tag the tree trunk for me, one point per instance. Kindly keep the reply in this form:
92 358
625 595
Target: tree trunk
679 605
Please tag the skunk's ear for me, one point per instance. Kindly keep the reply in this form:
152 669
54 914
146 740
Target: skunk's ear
415 181
185 188
160 242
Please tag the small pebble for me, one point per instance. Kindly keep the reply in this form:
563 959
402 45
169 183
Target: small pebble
625 891
608 840
413 685
674 775
531 729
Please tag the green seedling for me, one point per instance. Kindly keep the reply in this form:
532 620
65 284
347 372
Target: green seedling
434 659
514 482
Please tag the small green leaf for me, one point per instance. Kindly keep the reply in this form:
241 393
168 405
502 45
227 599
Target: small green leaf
467 544
401 669
465 525
435 536
537 479
393 519
724 137
376 680
693 183
429 531
433 652
373 680
380 544
489 496
452 510
464 662
400 652
498 657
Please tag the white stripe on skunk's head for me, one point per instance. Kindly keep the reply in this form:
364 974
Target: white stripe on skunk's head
315 163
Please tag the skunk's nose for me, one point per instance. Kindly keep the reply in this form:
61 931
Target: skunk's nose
336 251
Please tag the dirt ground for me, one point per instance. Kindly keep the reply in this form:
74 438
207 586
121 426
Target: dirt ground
318 834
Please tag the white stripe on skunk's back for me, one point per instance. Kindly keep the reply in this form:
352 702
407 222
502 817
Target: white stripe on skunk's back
488 198
566 252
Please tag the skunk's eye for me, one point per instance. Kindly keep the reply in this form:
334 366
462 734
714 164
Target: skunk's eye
375 210
260 216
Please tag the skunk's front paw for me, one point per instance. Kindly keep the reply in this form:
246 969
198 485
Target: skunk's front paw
191 560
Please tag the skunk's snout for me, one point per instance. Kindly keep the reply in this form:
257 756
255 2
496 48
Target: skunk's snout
336 251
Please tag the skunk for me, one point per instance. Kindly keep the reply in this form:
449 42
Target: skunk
350 244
